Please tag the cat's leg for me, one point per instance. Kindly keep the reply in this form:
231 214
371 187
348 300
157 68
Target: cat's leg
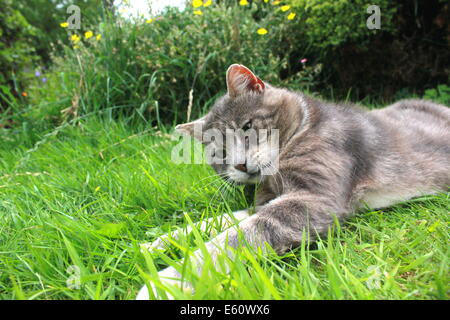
213 225
280 224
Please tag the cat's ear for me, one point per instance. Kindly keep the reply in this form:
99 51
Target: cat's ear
194 128
240 80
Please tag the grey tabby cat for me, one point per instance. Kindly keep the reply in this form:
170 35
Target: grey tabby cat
333 160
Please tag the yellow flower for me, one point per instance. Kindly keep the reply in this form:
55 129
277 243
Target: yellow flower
149 21
207 3
243 2
98 37
275 3
75 38
197 3
266 1
285 8
262 31
64 24
198 12
88 34
291 16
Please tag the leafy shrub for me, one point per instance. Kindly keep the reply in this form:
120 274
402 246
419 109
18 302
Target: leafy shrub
45 16
150 68
440 94
410 51
328 24
16 54
172 67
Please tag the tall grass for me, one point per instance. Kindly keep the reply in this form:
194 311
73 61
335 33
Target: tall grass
85 198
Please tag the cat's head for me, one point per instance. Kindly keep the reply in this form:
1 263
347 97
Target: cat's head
244 129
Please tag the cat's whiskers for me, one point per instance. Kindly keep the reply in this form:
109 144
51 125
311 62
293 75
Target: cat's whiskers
275 175
217 178
219 190
227 187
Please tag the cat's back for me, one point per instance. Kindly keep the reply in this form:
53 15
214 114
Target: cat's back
412 152
424 124
416 113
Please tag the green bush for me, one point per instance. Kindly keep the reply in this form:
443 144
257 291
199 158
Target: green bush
150 68
328 24
440 94
172 67
45 16
409 51
16 53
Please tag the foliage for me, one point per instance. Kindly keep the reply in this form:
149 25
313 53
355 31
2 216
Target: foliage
163 68
46 17
440 94
328 24
149 67
87 195
31 35
16 52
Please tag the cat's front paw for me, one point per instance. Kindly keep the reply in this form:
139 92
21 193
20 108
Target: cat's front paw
162 244
169 277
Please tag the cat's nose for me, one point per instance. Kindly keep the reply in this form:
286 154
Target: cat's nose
241 167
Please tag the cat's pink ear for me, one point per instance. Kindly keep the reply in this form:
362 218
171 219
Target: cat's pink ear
240 80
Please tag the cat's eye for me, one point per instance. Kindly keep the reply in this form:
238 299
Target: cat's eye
247 125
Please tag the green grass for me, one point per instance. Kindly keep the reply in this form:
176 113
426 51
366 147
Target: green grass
89 194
